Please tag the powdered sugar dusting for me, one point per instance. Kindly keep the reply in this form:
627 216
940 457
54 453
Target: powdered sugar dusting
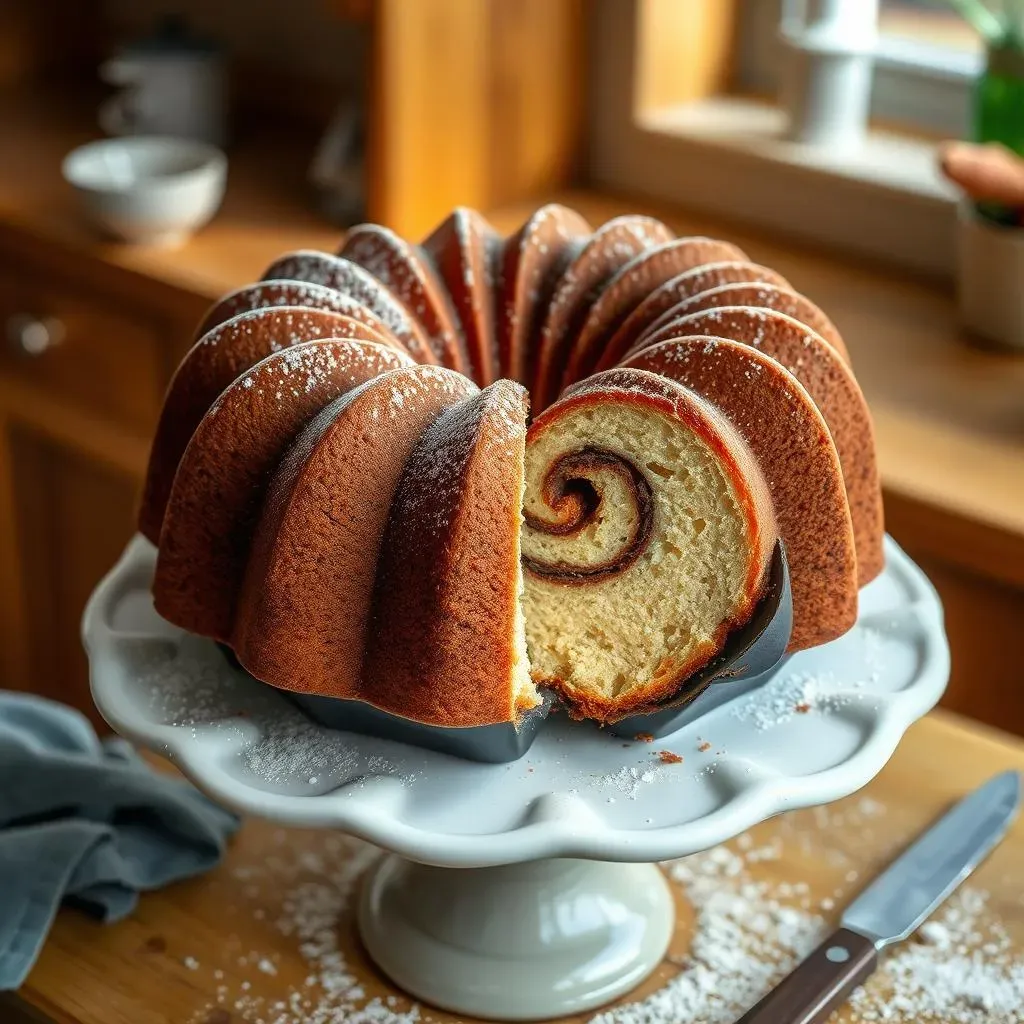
679 294
798 693
296 746
647 271
194 686
354 282
310 366
384 254
301 893
281 325
491 423
962 969
745 938
629 779
609 248
754 918
406 272
752 927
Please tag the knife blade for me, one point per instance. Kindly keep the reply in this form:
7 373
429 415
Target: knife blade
894 905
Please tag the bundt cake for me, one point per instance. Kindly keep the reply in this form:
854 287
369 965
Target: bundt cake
346 489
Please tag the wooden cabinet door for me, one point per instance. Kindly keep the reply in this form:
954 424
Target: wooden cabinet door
64 519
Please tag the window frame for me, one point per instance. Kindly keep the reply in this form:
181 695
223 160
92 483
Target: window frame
917 87
727 156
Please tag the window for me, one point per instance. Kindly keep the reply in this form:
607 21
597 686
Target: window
926 60
682 108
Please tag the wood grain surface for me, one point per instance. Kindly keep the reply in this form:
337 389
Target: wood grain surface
138 972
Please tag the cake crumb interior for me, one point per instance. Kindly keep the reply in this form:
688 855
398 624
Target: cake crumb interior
611 635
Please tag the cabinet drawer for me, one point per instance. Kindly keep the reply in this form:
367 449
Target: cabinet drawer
81 346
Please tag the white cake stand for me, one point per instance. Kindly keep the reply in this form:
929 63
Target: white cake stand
563 909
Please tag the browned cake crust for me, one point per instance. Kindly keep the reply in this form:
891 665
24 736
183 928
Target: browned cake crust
629 287
653 391
305 606
286 293
835 391
678 290
409 275
353 282
222 477
791 442
610 248
441 645
210 366
760 296
531 262
464 250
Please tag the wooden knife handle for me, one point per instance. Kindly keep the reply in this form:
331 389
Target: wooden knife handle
821 983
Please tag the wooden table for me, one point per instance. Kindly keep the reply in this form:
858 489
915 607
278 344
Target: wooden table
208 951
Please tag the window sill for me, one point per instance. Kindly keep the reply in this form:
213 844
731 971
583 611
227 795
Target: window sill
729 157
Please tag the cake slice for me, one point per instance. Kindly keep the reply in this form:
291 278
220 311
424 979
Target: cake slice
263 294
214 362
648 533
674 293
408 274
304 612
629 287
531 262
759 295
354 282
447 642
830 382
222 478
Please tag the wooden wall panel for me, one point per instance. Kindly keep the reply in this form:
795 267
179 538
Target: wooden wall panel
684 50
472 104
73 517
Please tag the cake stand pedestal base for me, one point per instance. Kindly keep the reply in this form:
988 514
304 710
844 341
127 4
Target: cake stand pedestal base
518 942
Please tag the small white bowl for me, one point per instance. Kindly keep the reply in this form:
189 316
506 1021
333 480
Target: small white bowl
148 189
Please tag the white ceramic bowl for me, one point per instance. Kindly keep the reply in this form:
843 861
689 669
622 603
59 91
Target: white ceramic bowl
148 189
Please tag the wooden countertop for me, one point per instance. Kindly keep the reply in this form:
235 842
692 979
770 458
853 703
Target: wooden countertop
949 418
209 951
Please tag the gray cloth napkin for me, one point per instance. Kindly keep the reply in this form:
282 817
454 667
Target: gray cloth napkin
86 822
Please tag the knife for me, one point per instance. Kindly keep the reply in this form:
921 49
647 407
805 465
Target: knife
894 905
